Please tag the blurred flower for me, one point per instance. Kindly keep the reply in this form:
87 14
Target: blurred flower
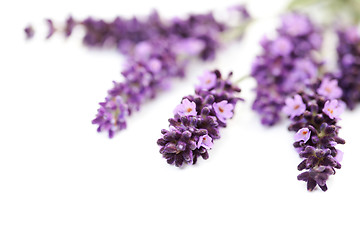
349 65
330 89
285 67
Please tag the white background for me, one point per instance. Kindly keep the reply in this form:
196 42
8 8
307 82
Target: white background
60 179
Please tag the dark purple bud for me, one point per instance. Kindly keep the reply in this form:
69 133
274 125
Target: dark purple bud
301 166
29 32
181 146
209 99
205 111
170 148
311 184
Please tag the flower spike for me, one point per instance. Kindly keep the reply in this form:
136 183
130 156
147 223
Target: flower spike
198 119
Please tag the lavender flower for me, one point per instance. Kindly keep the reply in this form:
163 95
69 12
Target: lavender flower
333 109
286 66
294 106
191 136
330 89
143 80
349 65
200 32
153 63
317 135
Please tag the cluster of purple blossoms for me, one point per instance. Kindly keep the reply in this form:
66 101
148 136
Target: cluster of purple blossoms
349 65
286 65
151 66
147 73
124 34
197 120
314 115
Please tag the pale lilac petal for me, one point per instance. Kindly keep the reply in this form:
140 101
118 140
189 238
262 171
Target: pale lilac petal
303 134
207 80
223 110
205 141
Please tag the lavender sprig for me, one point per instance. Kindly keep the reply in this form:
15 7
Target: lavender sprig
124 34
286 65
198 119
349 65
143 79
314 115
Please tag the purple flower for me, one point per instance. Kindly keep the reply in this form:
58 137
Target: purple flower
207 80
294 106
156 52
286 66
349 65
333 108
302 135
223 110
281 47
296 25
191 46
186 108
191 136
315 140
205 141
154 65
339 156
330 89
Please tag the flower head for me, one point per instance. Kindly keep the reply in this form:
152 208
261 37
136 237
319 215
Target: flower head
333 108
207 80
191 136
296 25
316 139
294 106
302 135
281 47
205 141
330 89
223 110
186 108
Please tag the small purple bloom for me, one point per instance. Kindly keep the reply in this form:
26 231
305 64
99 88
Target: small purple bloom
191 46
281 46
207 80
333 108
205 141
186 108
330 89
142 50
155 65
303 134
223 110
339 155
296 25
294 106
